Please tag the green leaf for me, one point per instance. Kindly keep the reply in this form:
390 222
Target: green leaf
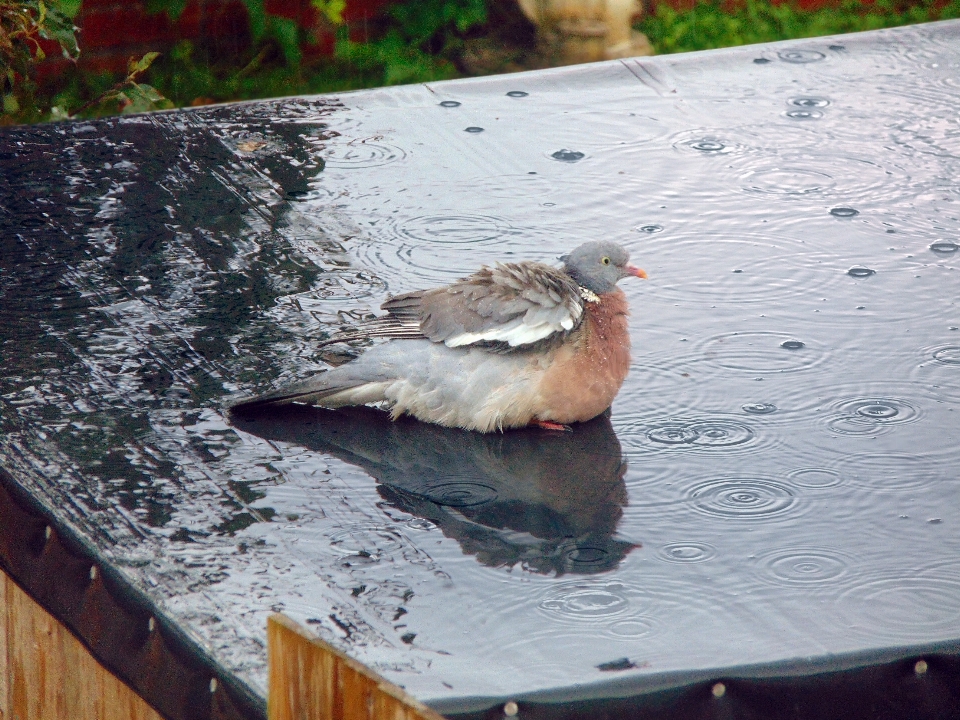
10 104
287 34
67 8
138 66
257 17
331 9
143 98
172 8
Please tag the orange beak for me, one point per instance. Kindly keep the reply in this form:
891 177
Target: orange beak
635 271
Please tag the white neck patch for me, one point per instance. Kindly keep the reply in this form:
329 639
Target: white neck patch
589 295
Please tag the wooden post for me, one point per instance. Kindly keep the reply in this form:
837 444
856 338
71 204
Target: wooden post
47 674
4 652
312 680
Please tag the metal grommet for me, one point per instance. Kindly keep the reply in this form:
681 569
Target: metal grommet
719 690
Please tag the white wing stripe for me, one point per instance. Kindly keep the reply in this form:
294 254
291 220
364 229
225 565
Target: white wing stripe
513 334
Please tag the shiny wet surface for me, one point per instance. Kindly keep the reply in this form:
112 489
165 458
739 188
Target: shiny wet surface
777 479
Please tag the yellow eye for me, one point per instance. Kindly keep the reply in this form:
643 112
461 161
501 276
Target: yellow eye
605 260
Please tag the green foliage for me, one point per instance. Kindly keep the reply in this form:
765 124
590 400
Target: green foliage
418 43
23 24
715 24
411 41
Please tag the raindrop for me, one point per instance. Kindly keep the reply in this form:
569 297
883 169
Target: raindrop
581 601
708 146
944 246
804 114
474 129
459 493
720 434
800 56
949 355
804 566
361 155
858 271
588 555
449 104
672 435
687 552
792 345
420 524
565 155
517 94
650 229
844 212
366 539
809 102
877 411
759 408
866 416
745 499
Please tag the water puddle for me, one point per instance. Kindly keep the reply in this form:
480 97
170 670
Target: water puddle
776 479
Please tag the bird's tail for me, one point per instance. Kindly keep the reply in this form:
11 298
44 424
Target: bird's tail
349 384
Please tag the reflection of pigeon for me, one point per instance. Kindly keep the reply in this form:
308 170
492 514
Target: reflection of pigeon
550 501
522 343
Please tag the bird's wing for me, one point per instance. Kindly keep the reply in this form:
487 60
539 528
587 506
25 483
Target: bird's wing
512 304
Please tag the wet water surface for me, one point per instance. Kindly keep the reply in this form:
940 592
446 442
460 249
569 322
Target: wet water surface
778 478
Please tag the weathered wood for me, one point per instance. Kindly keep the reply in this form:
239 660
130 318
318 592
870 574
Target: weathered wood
49 674
312 680
4 664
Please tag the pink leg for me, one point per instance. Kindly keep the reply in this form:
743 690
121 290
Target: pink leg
547 425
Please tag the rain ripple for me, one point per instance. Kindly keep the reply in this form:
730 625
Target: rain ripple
432 250
804 567
360 154
743 498
868 416
903 608
687 552
643 435
762 352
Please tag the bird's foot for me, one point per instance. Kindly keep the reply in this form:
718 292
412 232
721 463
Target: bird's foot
547 425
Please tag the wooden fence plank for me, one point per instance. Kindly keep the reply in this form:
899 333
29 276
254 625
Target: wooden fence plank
312 680
50 675
4 650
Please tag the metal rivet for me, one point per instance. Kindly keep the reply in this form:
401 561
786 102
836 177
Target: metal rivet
921 667
48 532
151 624
213 685
93 572
511 709
719 690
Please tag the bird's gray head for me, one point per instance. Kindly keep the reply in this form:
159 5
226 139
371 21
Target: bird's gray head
599 266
